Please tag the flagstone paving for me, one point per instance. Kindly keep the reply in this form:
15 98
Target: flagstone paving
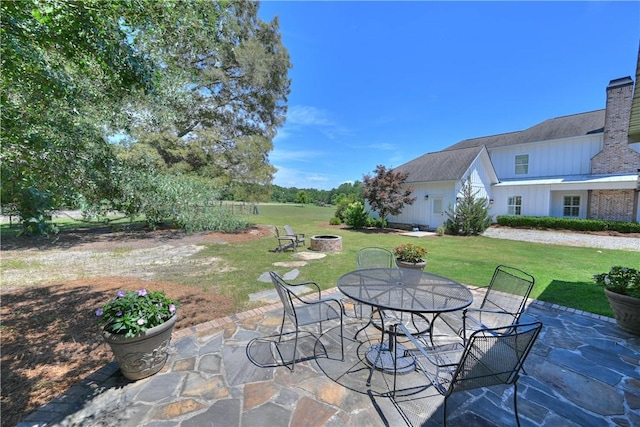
583 371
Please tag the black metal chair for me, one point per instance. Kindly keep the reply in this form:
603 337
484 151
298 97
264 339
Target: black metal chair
303 311
370 257
373 257
503 304
489 357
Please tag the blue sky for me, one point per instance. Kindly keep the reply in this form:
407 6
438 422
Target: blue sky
385 82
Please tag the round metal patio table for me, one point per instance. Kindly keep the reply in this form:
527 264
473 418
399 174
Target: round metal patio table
401 290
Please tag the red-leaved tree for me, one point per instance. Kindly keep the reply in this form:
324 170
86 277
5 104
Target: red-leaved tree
386 193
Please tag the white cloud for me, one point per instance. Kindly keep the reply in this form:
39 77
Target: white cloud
278 155
303 115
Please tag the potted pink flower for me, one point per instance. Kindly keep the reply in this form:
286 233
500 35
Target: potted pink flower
137 325
409 255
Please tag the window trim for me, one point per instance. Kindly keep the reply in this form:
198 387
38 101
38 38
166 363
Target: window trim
571 206
513 207
524 166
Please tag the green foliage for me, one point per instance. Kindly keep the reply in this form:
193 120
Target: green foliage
441 230
35 211
335 221
410 252
302 197
569 224
386 193
356 215
471 214
342 203
188 87
133 312
621 280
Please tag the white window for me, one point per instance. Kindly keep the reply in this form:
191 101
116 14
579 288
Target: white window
522 164
514 205
571 206
437 205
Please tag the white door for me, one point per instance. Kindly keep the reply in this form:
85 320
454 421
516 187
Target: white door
437 212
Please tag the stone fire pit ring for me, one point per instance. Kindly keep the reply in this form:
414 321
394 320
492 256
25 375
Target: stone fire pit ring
326 243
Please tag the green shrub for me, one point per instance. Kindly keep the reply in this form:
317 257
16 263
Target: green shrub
335 221
569 223
356 215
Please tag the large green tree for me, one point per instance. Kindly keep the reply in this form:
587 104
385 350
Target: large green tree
224 95
66 66
194 86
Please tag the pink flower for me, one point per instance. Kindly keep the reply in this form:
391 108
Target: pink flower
141 321
142 292
172 308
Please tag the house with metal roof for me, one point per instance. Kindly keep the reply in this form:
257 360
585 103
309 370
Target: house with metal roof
576 166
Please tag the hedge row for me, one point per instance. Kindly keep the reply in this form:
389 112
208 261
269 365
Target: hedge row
569 223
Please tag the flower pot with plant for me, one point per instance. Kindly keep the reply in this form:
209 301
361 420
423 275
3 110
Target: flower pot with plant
137 325
622 287
412 256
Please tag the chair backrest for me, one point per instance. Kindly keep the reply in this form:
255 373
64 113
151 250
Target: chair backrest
289 230
372 257
494 356
508 291
285 295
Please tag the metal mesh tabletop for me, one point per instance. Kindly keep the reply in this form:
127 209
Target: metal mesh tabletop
405 290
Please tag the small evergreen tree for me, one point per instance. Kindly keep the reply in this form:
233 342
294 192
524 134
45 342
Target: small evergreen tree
471 214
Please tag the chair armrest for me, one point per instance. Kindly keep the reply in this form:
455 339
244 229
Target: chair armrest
440 356
478 323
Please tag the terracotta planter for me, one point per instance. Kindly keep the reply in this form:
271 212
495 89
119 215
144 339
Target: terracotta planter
411 265
626 310
145 354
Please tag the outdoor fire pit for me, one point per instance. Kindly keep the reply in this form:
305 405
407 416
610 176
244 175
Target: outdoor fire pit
326 243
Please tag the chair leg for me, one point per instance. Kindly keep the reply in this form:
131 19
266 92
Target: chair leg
444 412
515 402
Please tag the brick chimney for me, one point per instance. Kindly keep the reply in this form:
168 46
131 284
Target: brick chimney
616 156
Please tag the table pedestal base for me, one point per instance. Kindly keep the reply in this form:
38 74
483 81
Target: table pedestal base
380 357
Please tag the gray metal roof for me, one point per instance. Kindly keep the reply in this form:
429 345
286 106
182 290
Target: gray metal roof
560 127
448 165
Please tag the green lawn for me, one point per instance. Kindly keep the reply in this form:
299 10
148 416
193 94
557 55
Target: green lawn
563 274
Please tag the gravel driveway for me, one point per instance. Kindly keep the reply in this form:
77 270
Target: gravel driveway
565 238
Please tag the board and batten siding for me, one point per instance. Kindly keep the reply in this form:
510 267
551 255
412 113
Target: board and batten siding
535 200
570 156
421 212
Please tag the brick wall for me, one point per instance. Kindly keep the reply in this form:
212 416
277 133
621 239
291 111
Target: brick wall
613 205
616 156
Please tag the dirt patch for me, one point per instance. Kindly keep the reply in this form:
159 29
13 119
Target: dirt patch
49 337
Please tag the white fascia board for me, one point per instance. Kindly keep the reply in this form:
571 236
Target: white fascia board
580 182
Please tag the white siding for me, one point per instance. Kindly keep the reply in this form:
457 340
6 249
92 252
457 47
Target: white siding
535 199
557 202
420 212
571 156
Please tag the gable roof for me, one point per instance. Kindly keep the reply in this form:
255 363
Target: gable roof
448 165
557 128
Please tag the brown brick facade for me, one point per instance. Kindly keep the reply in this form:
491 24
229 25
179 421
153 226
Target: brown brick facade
613 205
616 156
